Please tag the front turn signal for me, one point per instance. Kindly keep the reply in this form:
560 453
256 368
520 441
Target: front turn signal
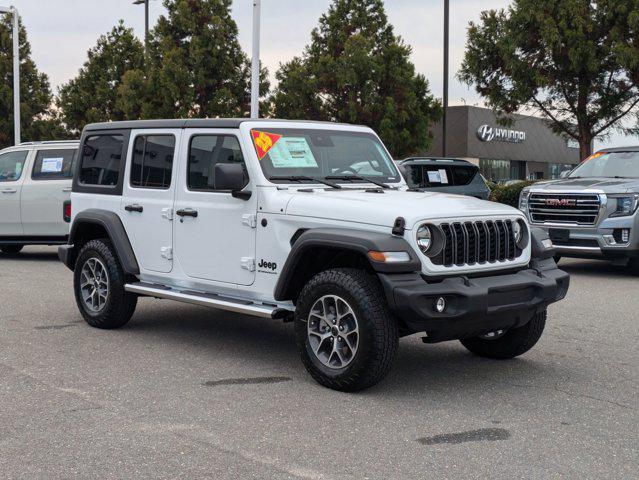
388 257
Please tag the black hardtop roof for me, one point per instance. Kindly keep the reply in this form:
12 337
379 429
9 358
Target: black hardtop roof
620 149
192 123
436 161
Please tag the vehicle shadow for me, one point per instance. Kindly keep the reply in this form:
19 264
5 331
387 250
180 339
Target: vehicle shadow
589 267
32 255
443 369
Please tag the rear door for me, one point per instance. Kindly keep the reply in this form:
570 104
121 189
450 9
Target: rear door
148 196
12 166
45 189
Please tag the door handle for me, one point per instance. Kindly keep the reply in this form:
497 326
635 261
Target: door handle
187 212
134 208
65 190
9 190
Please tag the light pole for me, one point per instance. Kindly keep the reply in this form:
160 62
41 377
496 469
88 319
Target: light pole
255 63
16 71
445 100
146 20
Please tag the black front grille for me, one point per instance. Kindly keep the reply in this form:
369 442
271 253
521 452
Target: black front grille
471 243
580 209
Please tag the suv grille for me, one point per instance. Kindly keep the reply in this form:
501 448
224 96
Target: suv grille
564 208
470 243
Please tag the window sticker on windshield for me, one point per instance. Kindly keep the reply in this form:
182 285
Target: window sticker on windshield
443 176
264 141
52 165
292 152
434 177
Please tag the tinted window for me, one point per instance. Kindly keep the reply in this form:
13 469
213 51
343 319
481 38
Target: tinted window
152 161
205 152
462 175
54 164
11 165
101 158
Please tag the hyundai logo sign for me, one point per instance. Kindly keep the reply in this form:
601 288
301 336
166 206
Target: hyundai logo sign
486 133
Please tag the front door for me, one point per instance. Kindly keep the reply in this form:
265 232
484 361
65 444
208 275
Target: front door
148 196
214 231
45 190
12 166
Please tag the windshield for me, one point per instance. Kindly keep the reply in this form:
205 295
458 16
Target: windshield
612 164
288 154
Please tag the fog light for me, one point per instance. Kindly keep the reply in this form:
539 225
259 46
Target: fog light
440 305
625 235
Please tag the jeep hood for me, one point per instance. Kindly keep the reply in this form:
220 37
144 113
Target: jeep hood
605 185
359 206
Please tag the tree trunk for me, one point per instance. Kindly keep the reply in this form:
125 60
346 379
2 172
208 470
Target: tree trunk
585 147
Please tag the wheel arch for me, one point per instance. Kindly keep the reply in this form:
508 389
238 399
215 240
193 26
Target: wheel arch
315 250
95 223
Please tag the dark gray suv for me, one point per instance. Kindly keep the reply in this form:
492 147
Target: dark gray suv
444 175
592 212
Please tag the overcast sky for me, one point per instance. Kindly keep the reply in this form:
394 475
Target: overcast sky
61 31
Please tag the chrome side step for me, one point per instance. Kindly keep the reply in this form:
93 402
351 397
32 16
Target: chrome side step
206 300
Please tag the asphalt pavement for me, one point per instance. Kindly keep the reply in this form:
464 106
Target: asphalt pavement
188 392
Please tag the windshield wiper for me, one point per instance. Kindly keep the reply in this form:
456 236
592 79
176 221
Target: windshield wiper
304 178
359 177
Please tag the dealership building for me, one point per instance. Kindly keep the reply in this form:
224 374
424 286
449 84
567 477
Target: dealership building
525 149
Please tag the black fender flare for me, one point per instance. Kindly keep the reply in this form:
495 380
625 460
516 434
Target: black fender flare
356 241
112 224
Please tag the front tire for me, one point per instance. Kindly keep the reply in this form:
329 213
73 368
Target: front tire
345 332
512 343
11 249
99 286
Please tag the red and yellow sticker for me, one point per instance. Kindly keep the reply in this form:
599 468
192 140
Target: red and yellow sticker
264 141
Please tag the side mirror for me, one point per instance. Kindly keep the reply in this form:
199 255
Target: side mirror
230 176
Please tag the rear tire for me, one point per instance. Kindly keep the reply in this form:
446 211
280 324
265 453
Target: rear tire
345 332
513 343
99 286
11 249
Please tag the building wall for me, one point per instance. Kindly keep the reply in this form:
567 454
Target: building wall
527 139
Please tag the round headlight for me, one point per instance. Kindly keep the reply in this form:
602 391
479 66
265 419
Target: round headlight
518 231
424 238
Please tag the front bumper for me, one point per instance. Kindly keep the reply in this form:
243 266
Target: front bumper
596 241
474 305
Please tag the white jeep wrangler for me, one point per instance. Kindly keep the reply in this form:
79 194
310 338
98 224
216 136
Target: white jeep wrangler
305 222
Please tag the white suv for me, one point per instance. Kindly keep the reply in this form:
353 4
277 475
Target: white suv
35 188
306 222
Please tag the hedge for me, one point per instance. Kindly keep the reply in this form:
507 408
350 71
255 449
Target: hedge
508 194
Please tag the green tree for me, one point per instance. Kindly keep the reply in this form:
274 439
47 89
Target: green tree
92 96
357 70
571 60
195 65
37 121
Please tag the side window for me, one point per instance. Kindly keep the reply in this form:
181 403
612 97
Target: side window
100 161
206 151
11 165
152 161
54 164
